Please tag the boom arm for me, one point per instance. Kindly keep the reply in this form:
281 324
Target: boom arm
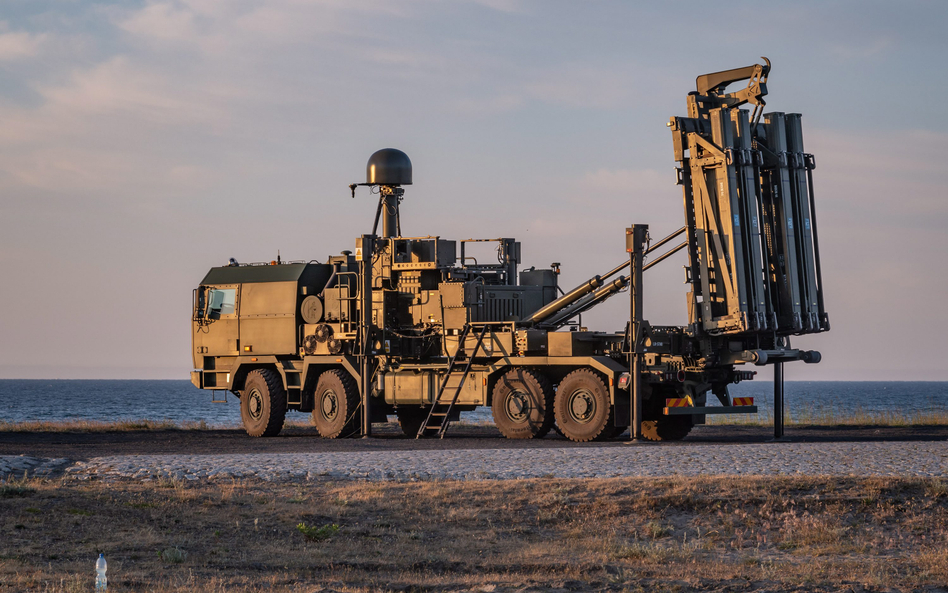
710 93
582 298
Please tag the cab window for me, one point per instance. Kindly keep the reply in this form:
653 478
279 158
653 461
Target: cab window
221 301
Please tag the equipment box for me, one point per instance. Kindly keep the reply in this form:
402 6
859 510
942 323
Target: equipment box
570 344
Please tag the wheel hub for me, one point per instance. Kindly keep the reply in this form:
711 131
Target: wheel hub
330 405
517 406
582 406
255 403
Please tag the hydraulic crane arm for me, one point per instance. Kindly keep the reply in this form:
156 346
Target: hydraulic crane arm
710 90
593 292
714 83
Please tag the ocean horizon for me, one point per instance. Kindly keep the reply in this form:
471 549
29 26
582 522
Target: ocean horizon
178 401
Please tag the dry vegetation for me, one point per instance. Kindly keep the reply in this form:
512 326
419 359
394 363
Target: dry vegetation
617 535
129 425
98 425
835 417
800 418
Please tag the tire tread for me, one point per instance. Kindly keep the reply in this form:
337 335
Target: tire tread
351 392
606 430
277 396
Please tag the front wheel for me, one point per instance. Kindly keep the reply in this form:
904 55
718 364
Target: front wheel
582 407
522 404
263 403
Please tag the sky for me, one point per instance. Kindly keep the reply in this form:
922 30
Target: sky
142 143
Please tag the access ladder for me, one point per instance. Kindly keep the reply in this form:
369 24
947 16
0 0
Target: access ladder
440 413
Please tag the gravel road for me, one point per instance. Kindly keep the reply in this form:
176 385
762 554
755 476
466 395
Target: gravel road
82 446
903 459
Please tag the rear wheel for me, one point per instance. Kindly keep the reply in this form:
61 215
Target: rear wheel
410 419
658 426
522 404
335 405
263 403
670 428
582 407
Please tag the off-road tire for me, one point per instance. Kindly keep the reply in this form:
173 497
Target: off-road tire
263 403
582 407
670 428
335 405
410 418
522 404
659 427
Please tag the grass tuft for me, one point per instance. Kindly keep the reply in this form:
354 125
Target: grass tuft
655 530
318 534
11 490
173 555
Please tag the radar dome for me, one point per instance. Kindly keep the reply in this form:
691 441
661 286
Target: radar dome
388 166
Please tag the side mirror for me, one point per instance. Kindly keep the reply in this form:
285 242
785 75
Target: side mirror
199 304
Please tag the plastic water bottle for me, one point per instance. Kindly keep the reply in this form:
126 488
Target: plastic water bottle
101 581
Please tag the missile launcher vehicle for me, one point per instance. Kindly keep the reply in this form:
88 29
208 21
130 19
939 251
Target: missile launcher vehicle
418 328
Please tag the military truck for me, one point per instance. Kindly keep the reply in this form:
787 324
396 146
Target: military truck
419 328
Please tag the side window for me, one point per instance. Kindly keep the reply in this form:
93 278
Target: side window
221 301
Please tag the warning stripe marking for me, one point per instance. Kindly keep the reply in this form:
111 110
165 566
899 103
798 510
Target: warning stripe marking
743 401
678 402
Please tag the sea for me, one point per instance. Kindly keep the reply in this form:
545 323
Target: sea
181 403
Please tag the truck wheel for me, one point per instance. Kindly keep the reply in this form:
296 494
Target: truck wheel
670 428
522 404
263 403
582 407
659 427
410 418
335 405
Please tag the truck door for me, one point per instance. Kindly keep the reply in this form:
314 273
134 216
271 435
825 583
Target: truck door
216 330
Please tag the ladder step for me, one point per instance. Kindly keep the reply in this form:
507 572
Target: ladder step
439 421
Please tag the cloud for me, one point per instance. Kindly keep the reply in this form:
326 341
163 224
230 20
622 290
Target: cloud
19 45
119 124
501 103
162 21
582 85
892 179
628 181
121 86
508 6
862 48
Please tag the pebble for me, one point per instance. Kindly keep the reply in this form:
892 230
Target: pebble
892 459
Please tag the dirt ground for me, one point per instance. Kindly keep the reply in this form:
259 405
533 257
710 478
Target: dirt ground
714 534
84 445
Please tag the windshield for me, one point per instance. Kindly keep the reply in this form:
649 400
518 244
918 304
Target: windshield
221 301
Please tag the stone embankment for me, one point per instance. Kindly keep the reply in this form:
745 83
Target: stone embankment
16 466
893 459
